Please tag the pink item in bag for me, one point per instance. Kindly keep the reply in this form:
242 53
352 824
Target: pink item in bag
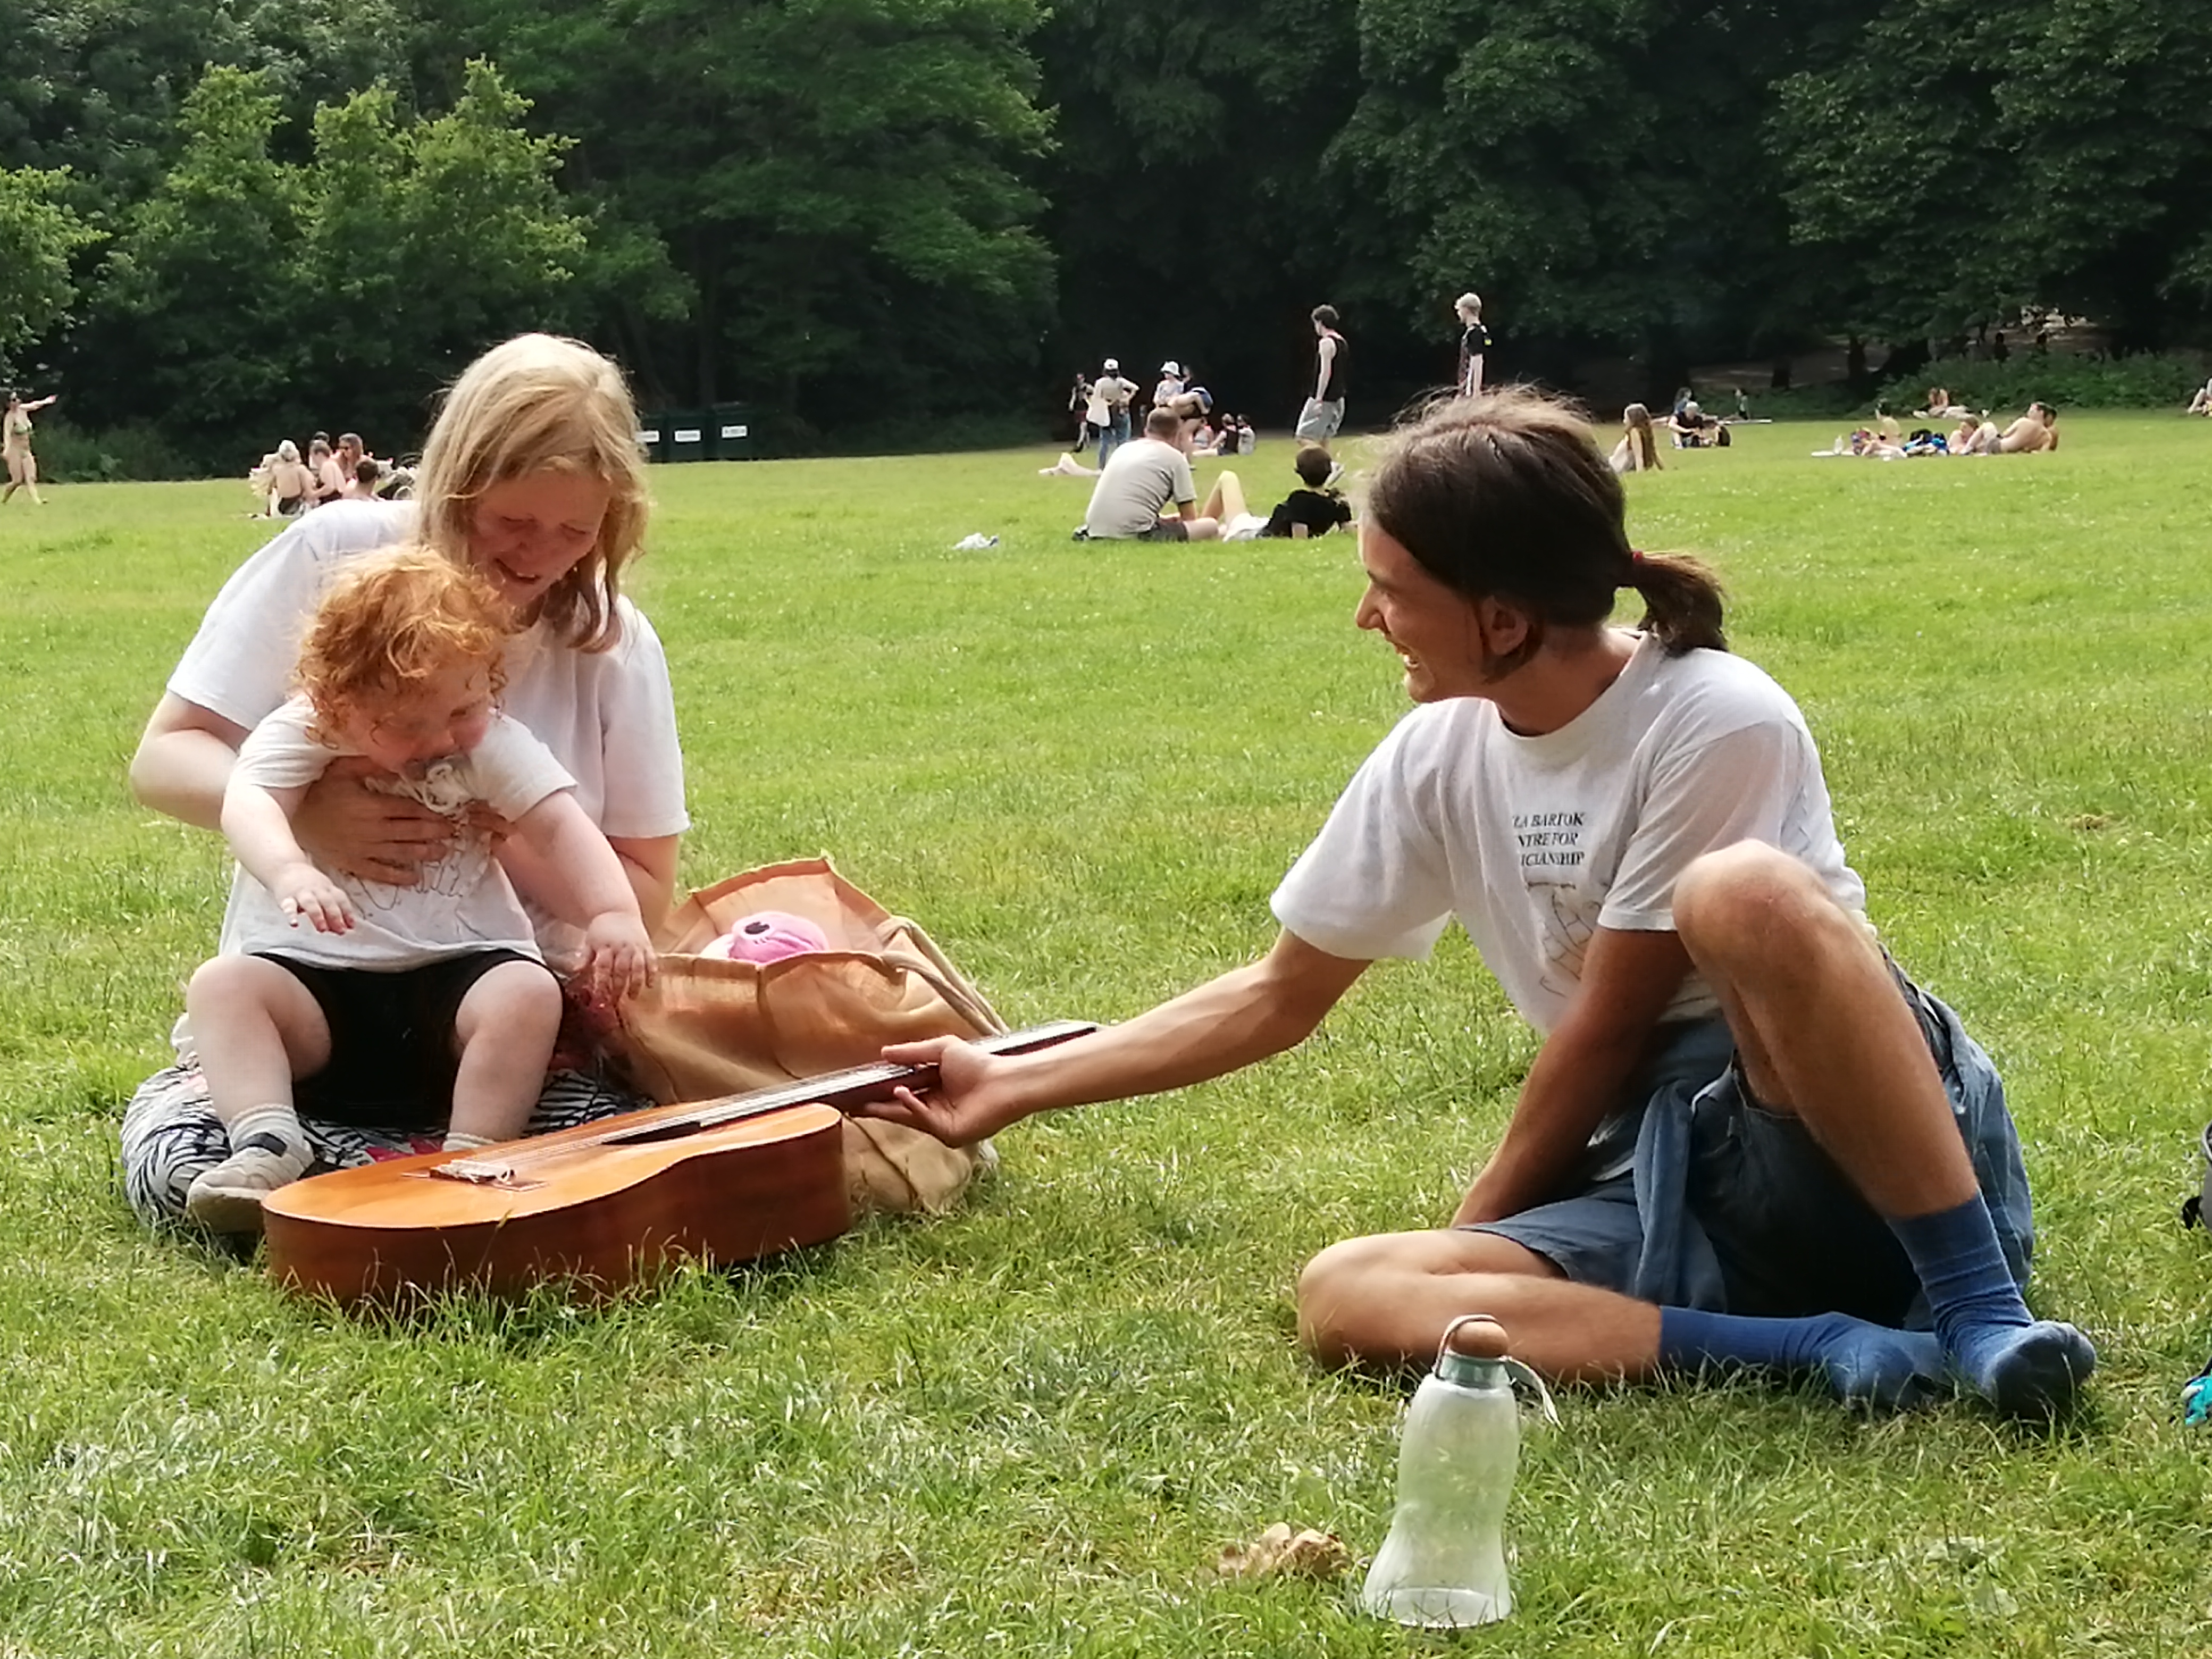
767 936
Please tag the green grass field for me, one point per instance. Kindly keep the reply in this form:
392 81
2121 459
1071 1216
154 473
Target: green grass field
1029 1428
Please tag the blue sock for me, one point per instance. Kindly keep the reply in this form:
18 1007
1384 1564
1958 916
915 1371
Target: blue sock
1863 1364
2024 1366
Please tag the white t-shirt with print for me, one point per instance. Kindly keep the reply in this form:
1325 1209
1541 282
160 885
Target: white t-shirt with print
1534 842
608 716
463 902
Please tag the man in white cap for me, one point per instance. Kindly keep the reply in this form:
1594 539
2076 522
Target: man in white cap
1108 412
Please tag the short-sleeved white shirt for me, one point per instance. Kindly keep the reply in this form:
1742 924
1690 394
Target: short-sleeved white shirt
1142 476
608 716
464 902
1534 842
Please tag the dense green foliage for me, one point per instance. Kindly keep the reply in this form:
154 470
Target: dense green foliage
230 218
1027 1428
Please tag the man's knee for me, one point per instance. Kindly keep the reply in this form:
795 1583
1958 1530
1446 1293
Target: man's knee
1753 901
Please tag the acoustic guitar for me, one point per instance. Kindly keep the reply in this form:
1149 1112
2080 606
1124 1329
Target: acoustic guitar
606 1204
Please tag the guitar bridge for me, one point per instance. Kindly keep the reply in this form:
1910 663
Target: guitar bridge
480 1172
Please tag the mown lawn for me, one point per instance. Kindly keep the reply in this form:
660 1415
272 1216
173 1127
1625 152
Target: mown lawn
1029 1428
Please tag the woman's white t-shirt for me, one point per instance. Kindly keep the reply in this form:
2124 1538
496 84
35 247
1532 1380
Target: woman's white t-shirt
608 716
1535 842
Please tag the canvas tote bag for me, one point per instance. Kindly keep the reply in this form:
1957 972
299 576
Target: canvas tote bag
712 1026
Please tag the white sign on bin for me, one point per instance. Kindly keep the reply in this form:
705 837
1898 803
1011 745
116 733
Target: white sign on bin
737 431
688 434
650 435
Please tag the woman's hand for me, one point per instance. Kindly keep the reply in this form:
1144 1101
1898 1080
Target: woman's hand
345 826
959 1108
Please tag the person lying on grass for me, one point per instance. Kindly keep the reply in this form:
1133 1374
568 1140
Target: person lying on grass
427 1004
1748 1139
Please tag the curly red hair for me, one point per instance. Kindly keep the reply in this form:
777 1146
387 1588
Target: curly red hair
390 622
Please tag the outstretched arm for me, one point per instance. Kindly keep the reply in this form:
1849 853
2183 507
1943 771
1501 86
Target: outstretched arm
1228 1023
1627 981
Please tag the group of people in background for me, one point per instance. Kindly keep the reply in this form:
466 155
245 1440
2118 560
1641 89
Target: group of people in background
1149 494
2034 432
284 485
15 446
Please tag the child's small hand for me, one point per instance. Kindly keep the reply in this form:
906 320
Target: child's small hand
618 955
302 892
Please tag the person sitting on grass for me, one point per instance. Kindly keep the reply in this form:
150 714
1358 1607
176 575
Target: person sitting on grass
1747 1139
1314 507
2201 404
1638 450
1149 474
370 1002
2032 433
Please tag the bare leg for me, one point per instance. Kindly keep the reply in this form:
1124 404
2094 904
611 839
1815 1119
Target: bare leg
1825 1034
1387 1299
256 1029
1226 501
1821 1025
505 1029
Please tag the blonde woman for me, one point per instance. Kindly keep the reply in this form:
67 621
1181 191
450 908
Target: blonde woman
1638 450
15 446
532 477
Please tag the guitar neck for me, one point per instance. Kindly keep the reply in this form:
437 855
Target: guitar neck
845 1089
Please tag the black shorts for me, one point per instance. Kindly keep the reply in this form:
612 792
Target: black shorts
393 1057
1167 530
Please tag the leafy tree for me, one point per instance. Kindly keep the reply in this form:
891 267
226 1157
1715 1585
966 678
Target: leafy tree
39 237
833 186
1592 167
422 241
200 296
251 290
1954 161
1190 209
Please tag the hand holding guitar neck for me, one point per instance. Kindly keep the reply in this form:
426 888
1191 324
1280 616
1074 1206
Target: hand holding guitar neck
955 1096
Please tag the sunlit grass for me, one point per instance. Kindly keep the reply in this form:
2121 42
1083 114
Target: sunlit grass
1029 1428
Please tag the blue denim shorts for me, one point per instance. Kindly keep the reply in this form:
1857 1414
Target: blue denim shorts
1791 1234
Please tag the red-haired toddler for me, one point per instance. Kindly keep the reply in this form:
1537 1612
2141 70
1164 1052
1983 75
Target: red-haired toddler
425 1006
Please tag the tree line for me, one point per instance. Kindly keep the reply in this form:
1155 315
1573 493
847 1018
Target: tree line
224 219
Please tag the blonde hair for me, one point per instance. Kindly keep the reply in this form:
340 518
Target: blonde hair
392 620
541 403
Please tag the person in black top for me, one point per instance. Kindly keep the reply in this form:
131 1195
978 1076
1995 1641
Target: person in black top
1324 413
1318 509
1474 342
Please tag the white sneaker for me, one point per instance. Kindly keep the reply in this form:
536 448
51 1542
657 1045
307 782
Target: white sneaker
228 1197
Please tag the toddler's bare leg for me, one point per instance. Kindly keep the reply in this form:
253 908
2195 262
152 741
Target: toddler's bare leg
505 1030
257 1028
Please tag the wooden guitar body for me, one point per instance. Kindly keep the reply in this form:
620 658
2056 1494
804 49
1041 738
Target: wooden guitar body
580 1208
603 1205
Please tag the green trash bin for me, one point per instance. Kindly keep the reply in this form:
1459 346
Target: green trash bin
733 432
652 434
690 434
